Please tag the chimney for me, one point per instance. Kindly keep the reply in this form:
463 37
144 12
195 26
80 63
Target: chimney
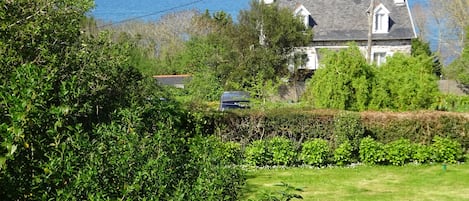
399 2
267 1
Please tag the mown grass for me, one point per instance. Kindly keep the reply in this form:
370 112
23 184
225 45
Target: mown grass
410 182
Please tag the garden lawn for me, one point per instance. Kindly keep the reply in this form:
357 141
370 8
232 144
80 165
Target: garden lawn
410 182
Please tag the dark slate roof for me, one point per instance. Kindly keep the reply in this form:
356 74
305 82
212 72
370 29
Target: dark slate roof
339 20
174 80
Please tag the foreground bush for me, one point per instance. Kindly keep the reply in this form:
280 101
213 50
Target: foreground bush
283 151
372 152
343 154
315 152
446 150
422 153
399 152
256 153
79 122
216 176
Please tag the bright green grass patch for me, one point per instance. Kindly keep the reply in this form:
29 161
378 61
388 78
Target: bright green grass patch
411 182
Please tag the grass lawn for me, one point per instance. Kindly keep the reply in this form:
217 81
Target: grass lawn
410 182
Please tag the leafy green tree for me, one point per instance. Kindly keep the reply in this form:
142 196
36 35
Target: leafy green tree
79 122
266 36
344 81
405 83
459 69
420 47
38 31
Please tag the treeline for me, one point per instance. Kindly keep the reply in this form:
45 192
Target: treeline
221 54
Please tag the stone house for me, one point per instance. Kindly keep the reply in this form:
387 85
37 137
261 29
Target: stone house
336 23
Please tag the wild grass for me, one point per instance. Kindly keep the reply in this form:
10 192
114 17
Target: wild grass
410 182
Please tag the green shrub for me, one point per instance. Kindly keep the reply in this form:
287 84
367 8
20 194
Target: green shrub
453 103
399 152
422 153
343 153
232 152
372 152
348 127
299 125
315 152
215 178
282 150
257 154
446 150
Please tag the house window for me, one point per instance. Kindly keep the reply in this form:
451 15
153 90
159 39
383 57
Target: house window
304 13
381 20
379 58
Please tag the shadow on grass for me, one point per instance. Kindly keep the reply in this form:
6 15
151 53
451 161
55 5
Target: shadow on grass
250 189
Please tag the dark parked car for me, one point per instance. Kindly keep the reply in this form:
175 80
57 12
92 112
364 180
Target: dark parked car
234 100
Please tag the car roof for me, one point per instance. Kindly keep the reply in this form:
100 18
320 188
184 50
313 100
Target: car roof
234 96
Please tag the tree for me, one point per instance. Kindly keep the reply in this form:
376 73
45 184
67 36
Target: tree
344 81
446 22
38 32
421 48
459 69
78 121
266 37
405 83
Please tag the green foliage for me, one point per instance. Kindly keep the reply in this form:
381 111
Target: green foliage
459 70
348 127
204 86
315 152
420 47
452 103
446 150
79 122
232 152
399 152
257 154
344 82
422 153
41 38
343 154
372 152
216 177
296 124
405 83
283 151
229 55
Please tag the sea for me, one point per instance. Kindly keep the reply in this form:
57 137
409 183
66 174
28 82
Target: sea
151 10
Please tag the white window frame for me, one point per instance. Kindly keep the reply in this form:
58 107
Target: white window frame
303 12
379 57
381 19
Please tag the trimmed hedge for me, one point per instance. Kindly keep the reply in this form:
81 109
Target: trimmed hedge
318 152
337 126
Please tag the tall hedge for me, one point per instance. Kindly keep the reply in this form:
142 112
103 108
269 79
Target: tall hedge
301 125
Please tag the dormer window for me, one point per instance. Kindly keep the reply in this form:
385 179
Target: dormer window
381 19
304 13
